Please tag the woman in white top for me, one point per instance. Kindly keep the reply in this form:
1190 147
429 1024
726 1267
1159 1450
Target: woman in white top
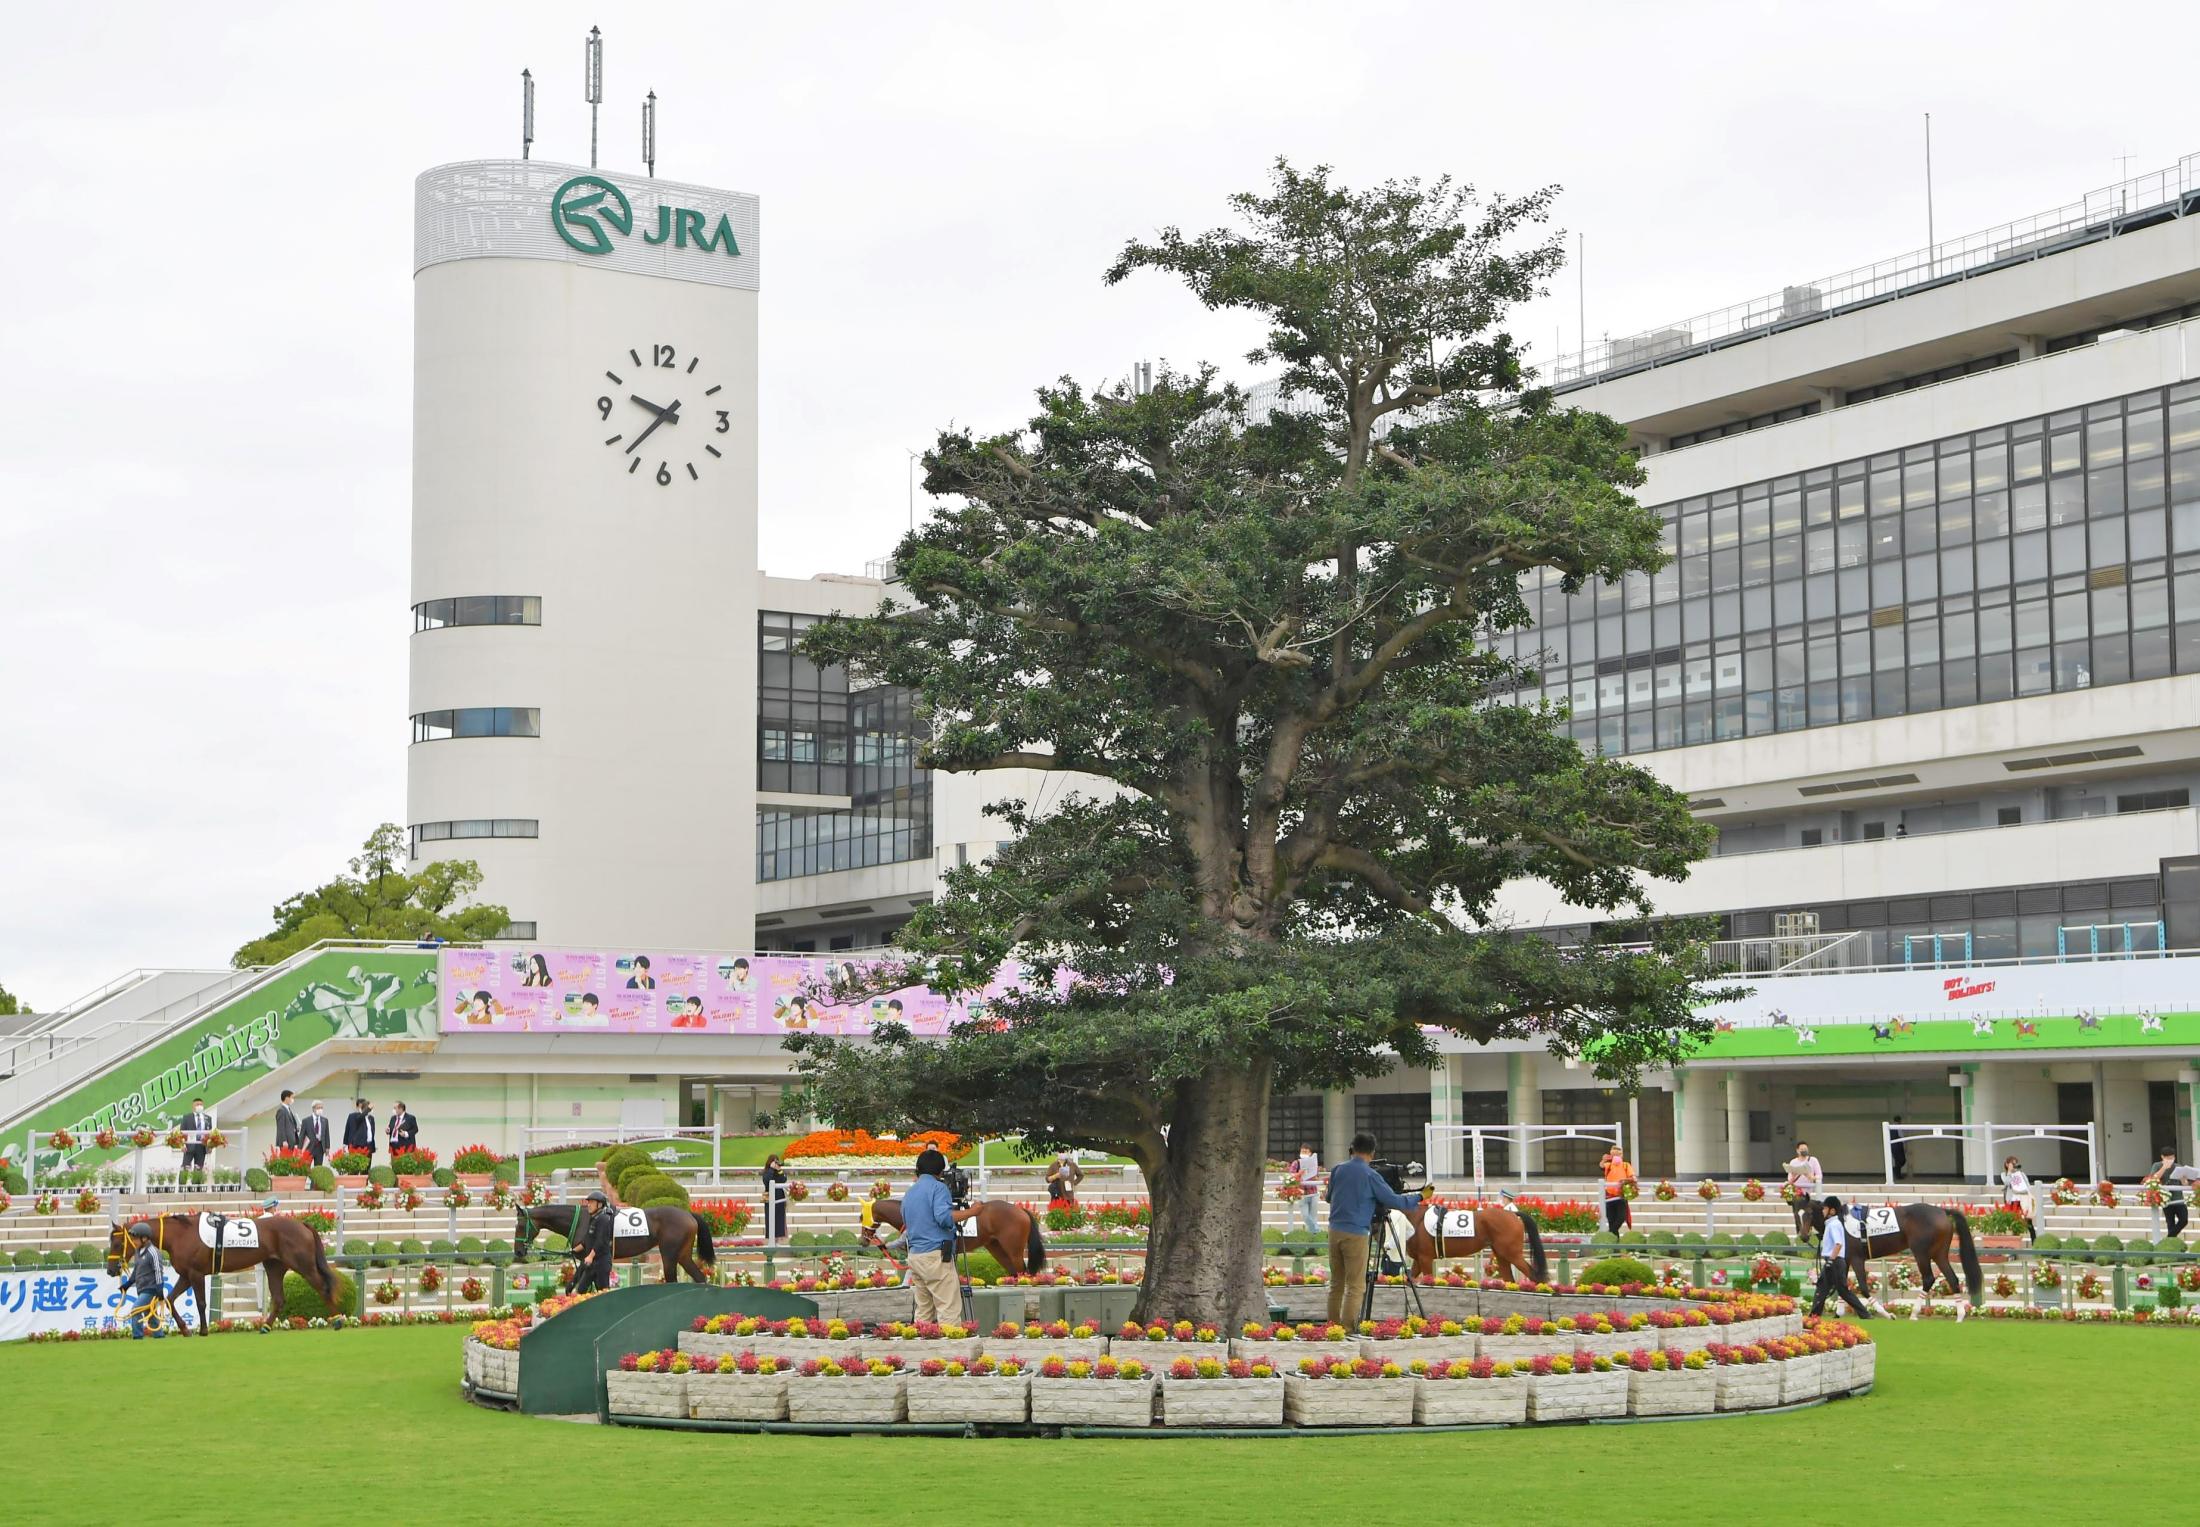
2016 1191
1805 1177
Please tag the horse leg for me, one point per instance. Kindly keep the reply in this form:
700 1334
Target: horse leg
274 1271
1940 1255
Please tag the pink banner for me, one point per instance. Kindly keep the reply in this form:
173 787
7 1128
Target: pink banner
580 991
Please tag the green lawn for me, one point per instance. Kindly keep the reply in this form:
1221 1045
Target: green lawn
1978 1423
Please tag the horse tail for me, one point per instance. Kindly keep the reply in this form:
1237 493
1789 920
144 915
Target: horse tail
1035 1246
1973 1278
321 1268
1537 1262
705 1252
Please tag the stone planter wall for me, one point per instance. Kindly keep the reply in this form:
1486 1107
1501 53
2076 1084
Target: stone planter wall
492 1368
1676 1392
1286 1355
1470 1402
1036 1350
1222 1402
1802 1378
647 1394
1092 1402
1502 1302
1837 1370
1749 1386
797 1348
872 1306
1863 1366
1159 1354
1434 1349
1347 1402
969 1398
846 1400
738 1396
1576 1396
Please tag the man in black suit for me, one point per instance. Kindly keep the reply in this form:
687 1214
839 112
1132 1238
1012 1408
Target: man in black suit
359 1127
195 1125
316 1135
287 1136
403 1130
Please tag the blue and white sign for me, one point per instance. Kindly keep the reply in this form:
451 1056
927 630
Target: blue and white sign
40 1299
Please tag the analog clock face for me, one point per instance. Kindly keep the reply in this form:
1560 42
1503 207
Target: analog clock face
660 411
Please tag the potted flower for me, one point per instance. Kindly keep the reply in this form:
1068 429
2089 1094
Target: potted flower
474 1166
473 1291
87 1202
1753 1192
176 1140
456 1196
1666 1192
1478 1391
799 1338
1104 1391
2064 1193
1309 1339
993 1389
1332 1391
2104 1194
837 1191
105 1139
738 1387
2005 1287
1035 1341
414 1168
847 1389
1162 1342
881 1189
350 1166
387 1292
649 1384
215 1140
1573 1386
407 1195
431 1278
1748 1377
61 1140
287 1167
797 1190
1210 1391
2089 1285
369 1196
1708 1191
1669 1383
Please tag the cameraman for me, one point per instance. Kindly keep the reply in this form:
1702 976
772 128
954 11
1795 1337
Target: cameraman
1355 1191
929 1218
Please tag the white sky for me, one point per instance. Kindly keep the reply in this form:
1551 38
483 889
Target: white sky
205 265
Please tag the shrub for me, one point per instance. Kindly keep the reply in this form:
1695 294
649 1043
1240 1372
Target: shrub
442 1248
384 1253
13 1181
357 1248
1603 1238
506 1170
26 1259
664 1193
619 1157
2109 1243
2048 1243
1775 1238
636 1187
381 1176
85 1254
1617 1270
1722 1238
500 1250
412 1248
54 1258
1633 1238
443 1176
300 1299
323 1179
802 1238
2167 1295
471 1246
983 1268
1747 1239
256 1178
474 1160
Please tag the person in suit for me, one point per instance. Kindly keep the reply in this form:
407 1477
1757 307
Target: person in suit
287 1134
403 1129
359 1127
195 1125
316 1134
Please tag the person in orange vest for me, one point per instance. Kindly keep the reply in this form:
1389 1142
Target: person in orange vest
1618 1215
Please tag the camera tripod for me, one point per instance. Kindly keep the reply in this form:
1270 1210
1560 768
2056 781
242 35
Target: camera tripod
1384 1237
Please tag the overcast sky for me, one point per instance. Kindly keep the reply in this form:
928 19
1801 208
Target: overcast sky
205 261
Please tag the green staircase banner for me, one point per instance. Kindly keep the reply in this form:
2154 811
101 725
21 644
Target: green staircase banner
339 994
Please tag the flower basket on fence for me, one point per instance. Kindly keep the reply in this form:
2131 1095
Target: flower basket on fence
1365 1391
1476 1392
858 1390
141 1138
743 1388
1753 1192
1666 1193
649 1384
988 1389
1575 1387
1210 1392
1104 1392
1663 1383
105 1139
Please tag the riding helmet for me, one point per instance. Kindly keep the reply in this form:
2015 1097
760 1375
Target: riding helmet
598 1196
142 1231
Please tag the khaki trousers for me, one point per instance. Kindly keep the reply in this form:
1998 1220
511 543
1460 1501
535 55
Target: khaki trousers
1347 1276
938 1291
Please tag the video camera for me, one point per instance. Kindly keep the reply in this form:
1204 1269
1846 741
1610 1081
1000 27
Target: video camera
958 1186
1395 1176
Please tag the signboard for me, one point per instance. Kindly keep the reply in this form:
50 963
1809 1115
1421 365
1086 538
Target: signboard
629 991
38 1300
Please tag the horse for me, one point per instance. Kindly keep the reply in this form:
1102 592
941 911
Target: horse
1009 1231
1924 1231
1507 1235
680 1236
286 1245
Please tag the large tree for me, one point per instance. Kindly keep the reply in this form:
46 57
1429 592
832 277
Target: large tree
1269 632
379 900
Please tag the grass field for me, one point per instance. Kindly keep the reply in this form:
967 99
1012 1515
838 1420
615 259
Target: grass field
1979 1423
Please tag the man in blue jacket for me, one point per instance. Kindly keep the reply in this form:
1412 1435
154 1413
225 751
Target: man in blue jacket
1356 1190
928 1220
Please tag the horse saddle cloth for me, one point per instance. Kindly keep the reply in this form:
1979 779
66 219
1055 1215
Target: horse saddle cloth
969 1228
626 1223
235 1232
1448 1224
1876 1219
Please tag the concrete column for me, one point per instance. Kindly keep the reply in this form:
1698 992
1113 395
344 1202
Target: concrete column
1336 1128
1737 1123
1445 1082
1976 1102
2030 346
1697 1103
1524 1105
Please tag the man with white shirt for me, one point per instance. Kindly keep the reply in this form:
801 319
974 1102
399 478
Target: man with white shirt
1833 1265
195 1125
316 1134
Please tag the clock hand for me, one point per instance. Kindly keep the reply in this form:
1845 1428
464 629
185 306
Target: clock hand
664 416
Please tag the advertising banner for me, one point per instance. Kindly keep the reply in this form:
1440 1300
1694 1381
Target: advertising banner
38 1300
630 991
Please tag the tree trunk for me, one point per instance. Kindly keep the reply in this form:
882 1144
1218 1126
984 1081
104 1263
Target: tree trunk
1204 1256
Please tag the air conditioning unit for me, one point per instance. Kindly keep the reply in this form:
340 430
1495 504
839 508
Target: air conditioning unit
1801 302
1635 349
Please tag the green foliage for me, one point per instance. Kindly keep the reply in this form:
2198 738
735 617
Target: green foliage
1773 1238
53 1258
1633 1238
1722 1239
1617 1270
300 1299
506 1170
379 900
471 1246
412 1248
85 1254
1603 1238
358 1248
439 1247
10 1004
13 1181
663 1192
381 1175
1268 631
385 1253
2048 1242
982 1267
443 1177
2108 1243
28 1257
621 1158
1746 1241
500 1250
322 1178
636 1186
255 1178
2167 1295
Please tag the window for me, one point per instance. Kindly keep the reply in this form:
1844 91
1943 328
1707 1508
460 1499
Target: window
2009 816
479 610
1874 831
2153 800
1397 1120
473 827
1294 1121
1813 836
478 721
523 932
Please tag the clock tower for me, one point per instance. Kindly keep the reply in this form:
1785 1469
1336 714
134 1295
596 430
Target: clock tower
584 549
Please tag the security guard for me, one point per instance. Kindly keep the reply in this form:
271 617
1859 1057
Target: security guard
592 1244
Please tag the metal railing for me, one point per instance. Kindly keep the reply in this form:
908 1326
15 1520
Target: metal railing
2105 213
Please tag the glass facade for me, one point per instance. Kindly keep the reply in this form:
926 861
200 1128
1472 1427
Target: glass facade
479 610
478 721
2051 553
815 737
473 827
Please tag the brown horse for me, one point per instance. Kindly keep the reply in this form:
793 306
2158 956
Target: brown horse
1925 1231
1509 1237
286 1245
1009 1231
681 1237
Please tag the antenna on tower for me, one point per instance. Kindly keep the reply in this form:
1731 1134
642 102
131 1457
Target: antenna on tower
592 71
526 114
649 134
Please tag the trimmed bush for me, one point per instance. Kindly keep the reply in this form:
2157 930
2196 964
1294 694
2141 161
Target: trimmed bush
2167 1295
443 1176
506 1170
358 1248
1617 1270
14 1181
2048 1243
442 1248
619 1158
664 1192
1775 1238
1722 1238
802 1238
637 1187
385 1253
1633 1238
2109 1243
381 1176
500 1250
412 1248
323 1179
471 1246
26 1259
256 1178
53 1259
85 1254
1603 1238
300 1299
983 1268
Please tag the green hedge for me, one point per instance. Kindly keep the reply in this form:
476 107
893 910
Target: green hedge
1617 1270
471 1246
384 1253
506 1170
322 1178
440 1247
300 1299
382 1176
412 1248
443 1176
85 1254
256 1178
26 1259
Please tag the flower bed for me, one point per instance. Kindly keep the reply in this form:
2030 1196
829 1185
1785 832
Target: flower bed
1034 1343
730 1335
1211 1392
921 1340
1663 1383
1749 1379
857 1391
1327 1391
1575 1387
1415 1340
1257 1341
988 1389
1104 1392
649 1384
1476 1392
744 1388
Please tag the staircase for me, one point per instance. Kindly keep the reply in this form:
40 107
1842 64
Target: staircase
70 1046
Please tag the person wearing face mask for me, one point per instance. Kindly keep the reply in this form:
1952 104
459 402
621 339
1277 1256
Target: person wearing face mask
314 1134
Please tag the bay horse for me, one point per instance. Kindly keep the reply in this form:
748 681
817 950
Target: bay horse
286 1245
1511 1238
1924 1231
680 1236
1009 1231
